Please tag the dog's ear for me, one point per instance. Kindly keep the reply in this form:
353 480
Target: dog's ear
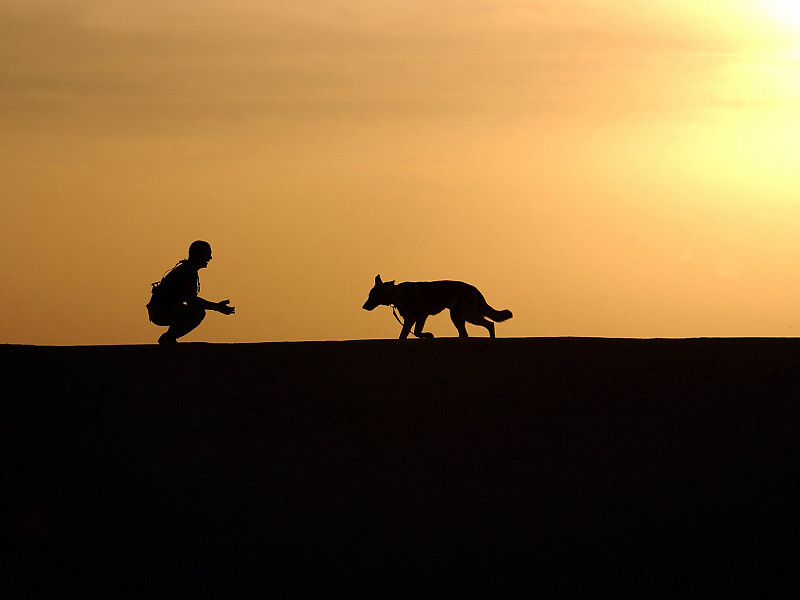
378 280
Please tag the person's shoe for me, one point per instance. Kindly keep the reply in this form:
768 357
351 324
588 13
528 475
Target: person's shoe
167 339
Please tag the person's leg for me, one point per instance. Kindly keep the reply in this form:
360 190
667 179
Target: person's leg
184 320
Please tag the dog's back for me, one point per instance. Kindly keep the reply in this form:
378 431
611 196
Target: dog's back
432 297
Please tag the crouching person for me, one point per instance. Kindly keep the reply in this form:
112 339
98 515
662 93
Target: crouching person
176 303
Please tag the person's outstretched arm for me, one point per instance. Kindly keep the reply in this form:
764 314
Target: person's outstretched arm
221 307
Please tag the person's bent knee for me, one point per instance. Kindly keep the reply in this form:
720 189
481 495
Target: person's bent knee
195 314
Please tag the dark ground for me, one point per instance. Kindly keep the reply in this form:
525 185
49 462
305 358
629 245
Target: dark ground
443 468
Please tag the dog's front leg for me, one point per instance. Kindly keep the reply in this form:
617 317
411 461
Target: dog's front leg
407 324
420 325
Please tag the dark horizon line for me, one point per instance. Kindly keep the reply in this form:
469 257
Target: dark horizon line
498 340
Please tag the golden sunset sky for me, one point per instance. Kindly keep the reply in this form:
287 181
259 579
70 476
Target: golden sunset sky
600 167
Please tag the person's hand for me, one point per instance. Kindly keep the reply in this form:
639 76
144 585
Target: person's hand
224 308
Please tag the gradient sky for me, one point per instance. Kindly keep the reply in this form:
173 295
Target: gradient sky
600 167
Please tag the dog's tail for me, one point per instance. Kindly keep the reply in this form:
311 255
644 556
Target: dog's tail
498 316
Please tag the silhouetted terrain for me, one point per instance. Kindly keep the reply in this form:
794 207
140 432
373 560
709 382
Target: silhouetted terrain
427 468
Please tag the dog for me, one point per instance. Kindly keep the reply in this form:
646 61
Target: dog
417 300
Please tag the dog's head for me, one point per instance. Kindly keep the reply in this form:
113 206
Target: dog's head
381 293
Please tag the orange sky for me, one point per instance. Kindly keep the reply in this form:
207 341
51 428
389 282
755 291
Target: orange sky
600 167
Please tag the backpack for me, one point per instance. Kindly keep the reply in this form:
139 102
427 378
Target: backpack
167 290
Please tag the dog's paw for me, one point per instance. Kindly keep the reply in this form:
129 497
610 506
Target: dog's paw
425 335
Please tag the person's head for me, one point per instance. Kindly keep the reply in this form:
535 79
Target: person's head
200 253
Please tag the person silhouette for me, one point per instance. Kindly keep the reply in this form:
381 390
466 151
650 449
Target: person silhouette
175 301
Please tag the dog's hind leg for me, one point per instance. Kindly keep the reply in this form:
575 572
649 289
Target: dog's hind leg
460 322
483 322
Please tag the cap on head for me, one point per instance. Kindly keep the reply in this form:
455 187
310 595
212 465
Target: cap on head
199 248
